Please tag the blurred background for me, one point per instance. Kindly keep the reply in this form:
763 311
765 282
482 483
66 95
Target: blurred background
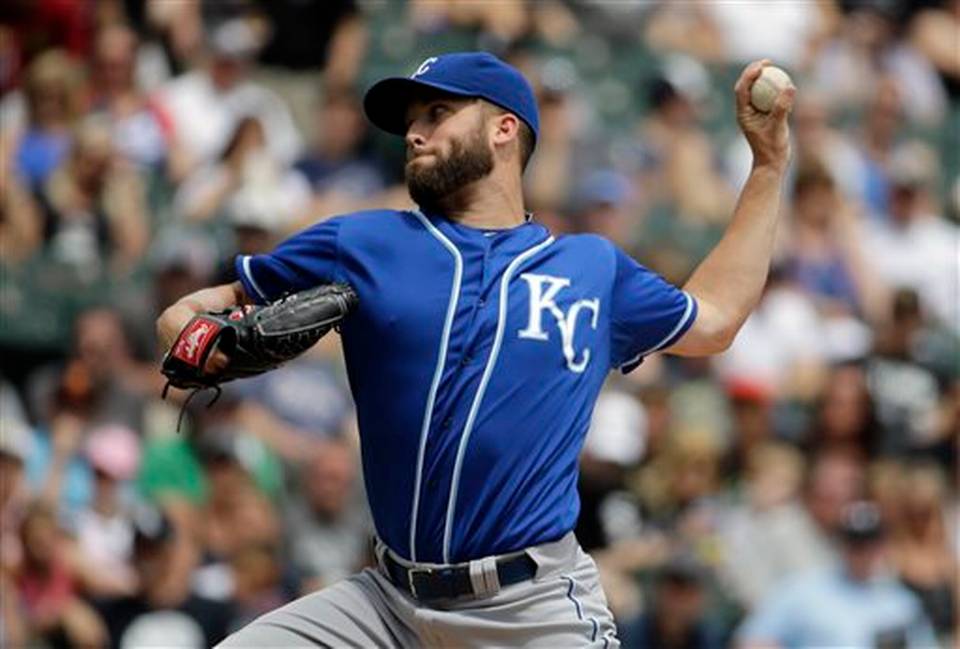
143 143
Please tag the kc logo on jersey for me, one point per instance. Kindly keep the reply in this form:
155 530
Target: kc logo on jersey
543 293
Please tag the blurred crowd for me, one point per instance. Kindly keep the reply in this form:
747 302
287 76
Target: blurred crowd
797 490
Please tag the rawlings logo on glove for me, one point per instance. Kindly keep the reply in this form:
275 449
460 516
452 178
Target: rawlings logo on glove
255 339
195 340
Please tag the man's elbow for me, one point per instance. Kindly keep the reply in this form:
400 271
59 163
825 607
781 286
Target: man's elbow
717 327
720 338
704 340
713 332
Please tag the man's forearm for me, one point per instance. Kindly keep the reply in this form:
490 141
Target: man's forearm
732 276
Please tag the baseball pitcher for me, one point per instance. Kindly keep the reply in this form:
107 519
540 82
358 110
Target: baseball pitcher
476 344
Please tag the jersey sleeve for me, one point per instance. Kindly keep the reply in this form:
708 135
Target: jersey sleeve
648 313
306 259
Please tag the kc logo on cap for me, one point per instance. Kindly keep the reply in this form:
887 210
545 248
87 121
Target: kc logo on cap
424 67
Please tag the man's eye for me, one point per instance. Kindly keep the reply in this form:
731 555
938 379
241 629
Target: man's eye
436 112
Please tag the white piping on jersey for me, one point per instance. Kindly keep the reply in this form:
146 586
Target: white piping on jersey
253 282
437 373
673 332
487 371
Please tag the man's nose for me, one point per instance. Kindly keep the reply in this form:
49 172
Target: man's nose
414 139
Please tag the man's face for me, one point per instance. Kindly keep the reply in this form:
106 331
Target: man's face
447 148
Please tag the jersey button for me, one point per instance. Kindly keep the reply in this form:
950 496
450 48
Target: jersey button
466 360
481 302
448 422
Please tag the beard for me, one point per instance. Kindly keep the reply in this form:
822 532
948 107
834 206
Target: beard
470 159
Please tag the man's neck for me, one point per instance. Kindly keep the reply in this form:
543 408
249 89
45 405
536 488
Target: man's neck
492 203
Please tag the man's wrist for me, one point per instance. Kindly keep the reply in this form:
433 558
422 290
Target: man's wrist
776 169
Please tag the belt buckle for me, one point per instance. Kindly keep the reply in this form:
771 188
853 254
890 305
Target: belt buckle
411 573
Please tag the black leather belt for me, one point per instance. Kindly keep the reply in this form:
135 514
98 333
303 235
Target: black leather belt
454 581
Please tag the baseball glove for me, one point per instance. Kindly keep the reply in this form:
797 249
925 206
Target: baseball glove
255 339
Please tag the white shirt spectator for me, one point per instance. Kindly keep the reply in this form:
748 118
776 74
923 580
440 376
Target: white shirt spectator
618 430
205 117
784 35
784 329
764 546
848 78
922 254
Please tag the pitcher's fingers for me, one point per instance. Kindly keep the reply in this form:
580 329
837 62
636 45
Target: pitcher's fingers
747 77
784 103
216 362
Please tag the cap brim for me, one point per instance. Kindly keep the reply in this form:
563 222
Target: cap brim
386 101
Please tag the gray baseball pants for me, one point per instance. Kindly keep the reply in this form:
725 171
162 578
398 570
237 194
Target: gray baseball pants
562 606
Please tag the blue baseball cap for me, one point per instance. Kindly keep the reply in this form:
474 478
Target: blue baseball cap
466 74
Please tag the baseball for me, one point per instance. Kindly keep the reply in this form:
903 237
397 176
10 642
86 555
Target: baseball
764 91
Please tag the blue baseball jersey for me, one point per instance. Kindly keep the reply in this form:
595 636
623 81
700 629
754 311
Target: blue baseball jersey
474 358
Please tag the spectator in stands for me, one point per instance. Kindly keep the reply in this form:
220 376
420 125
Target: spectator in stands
104 530
690 29
804 527
93 207
905 392
752 420
791 36
823 255
920 544
677 617
237 513
914 333
178 33
326 520
21 229
915 247
339 167
40 135
506 24
854 604
765 534
247 183
865 53
845 421
16 445
163 611
782 344
48 587
832 483
258 586
683 157
679 488
295 411
99 382
562 152
934 33
604 204
182 261
820 143
616 443
142 132
309 37
206 104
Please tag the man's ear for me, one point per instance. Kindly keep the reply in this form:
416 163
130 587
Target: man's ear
507 128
